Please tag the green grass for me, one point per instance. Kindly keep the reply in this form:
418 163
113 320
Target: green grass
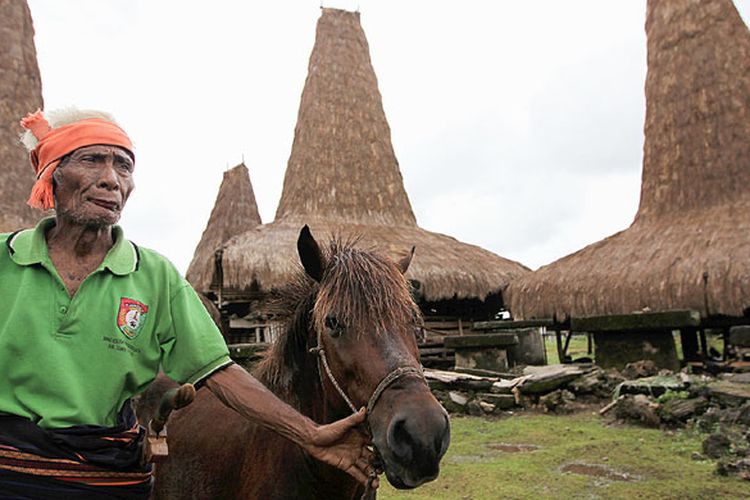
578 348
660 463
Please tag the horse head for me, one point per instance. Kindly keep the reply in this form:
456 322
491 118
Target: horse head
362 328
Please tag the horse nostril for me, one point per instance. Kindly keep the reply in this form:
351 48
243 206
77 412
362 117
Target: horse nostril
399 440
443 439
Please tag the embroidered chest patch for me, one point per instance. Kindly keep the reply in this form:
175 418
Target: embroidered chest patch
131 317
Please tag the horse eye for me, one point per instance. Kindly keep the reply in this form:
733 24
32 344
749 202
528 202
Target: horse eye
331 322
334 327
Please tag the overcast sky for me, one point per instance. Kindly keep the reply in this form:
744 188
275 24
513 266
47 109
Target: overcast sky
518 125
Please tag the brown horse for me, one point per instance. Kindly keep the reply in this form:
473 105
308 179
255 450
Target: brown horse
352 323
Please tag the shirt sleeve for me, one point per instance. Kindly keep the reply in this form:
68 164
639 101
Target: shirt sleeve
193 348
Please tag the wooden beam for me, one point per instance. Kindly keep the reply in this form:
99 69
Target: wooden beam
638 321
724 321
560 351
485 340
508 325
567 344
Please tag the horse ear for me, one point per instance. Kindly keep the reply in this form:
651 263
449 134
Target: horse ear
310 254
403 262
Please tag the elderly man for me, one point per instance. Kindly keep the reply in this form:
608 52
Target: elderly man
88 318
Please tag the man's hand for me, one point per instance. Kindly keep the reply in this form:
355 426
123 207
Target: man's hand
344 445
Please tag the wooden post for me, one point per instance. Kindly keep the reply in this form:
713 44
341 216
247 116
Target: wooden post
689 342
558 339
460 327
704 343
567 344
219 276
589 344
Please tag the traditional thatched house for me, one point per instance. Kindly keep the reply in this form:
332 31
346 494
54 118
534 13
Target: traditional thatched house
343 179
235 211
689 245
20 93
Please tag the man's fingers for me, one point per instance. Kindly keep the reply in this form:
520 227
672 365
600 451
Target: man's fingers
357 418
364 466
368 454
357 474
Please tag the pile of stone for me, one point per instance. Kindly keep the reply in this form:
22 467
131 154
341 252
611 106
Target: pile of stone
640 394
554 388
719 406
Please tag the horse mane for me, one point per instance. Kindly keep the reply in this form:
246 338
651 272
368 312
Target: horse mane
364 289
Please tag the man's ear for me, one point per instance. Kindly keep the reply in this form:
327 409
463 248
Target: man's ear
310 255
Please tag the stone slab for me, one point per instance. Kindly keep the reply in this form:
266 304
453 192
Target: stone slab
653 386
615 350
446 380
729 393
540 379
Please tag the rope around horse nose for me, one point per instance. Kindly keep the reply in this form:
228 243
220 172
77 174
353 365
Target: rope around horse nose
397 373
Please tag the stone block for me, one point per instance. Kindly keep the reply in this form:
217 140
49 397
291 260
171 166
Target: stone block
483 359
530 348
616 349
500 401
740 336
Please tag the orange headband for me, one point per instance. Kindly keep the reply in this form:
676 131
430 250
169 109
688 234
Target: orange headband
54 143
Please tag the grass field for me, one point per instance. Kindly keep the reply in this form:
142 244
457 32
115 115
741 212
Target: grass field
633 462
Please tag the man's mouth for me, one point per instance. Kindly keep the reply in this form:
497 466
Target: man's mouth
112 206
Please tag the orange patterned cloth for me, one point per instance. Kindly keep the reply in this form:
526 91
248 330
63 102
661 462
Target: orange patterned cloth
54 143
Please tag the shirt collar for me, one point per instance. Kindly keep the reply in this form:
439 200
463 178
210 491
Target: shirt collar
29 247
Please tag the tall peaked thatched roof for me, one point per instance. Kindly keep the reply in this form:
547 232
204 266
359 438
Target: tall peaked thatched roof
689 245
342 165
235 211
20 93
343 179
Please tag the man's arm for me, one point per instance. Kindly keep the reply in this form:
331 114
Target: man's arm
341 444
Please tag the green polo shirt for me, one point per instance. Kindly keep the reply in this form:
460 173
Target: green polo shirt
72 361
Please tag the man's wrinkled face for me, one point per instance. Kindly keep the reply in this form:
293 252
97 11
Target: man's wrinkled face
93 185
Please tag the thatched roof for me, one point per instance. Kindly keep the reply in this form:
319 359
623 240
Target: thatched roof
342 165
266 256
689 245
343 179
235 211
20 93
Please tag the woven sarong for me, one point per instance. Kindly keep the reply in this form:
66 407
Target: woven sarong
76 462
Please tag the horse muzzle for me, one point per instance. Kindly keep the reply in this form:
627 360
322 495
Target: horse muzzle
411 431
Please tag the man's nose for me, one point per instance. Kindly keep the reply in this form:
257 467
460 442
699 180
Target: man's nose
108 176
